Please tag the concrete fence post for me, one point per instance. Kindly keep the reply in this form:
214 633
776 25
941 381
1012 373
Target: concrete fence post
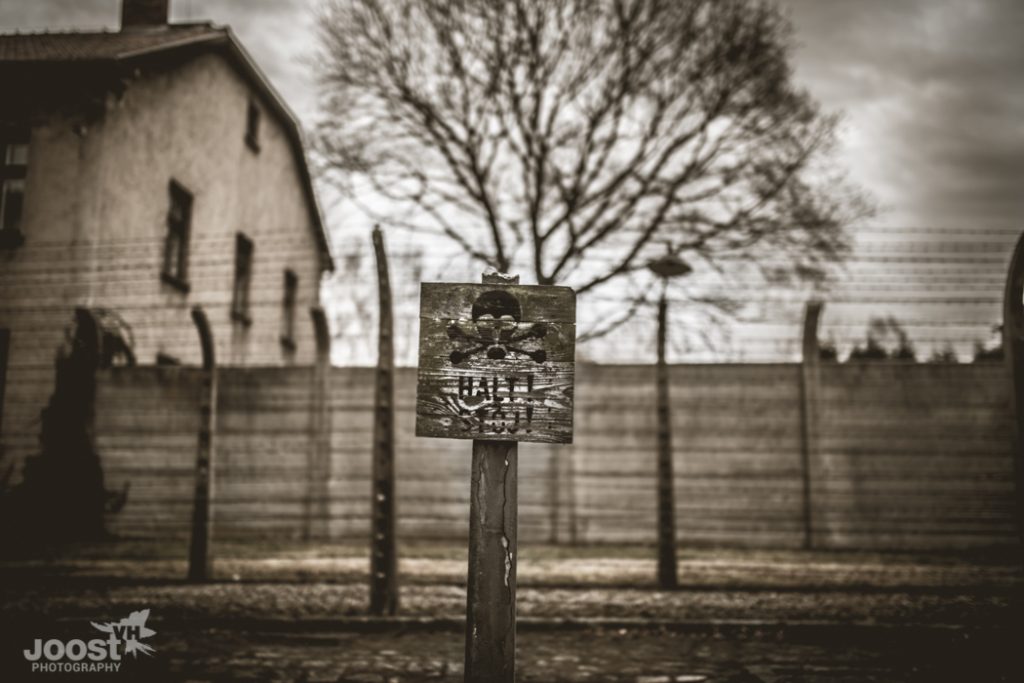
383 543
554 495
810 383
199 558
667 561
317 508
1013 354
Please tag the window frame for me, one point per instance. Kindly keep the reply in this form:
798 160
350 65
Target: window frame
253 120
174 270
13 172
289 309
241 283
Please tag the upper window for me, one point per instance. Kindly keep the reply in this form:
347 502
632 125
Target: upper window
179 225
13 168
252 126
243 279
291 288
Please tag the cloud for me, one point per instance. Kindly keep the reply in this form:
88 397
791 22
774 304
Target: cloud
35 15
934 92
275 32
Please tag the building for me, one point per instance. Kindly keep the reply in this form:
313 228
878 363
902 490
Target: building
144 172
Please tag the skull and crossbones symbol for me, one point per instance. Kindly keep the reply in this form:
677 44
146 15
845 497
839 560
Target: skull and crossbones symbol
497 330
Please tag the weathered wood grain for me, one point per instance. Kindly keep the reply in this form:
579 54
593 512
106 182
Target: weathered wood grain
496 362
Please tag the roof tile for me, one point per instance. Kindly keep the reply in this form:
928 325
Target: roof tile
101 45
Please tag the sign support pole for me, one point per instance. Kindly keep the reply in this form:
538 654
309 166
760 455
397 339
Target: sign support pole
496 365
491 594
491 583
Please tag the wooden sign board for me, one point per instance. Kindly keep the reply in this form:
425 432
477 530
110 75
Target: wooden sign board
496 362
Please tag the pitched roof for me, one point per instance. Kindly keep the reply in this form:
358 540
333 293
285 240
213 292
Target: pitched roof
103 45
114 48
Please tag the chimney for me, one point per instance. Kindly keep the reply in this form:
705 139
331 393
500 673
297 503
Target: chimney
143 13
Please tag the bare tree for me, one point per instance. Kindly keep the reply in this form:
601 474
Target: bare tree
574 138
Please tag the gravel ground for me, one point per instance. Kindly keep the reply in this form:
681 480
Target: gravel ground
306 582
741 617
332 601
548 566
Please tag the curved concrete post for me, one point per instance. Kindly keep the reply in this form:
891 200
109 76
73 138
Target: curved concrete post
1013 354
318 469
810 382
383 543
199 558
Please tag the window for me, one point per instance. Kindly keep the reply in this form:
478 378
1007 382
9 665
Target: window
13 167
243 278
252 127
179 225
291 288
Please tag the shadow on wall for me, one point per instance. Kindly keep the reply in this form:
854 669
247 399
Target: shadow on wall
62 497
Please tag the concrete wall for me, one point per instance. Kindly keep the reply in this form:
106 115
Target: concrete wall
908 457
95 223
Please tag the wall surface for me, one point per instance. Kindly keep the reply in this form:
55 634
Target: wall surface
95 223
906 457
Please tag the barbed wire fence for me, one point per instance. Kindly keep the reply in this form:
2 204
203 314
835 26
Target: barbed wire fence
942 287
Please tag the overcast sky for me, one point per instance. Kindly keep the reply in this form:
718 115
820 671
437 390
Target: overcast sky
932 93
932 90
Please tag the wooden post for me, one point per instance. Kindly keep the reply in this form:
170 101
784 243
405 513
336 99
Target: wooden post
383 555
667 567
1013 353
491 583
200 561
317 509
810 380
496 365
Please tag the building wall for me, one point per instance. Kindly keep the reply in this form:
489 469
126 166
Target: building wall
909 457
95 224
